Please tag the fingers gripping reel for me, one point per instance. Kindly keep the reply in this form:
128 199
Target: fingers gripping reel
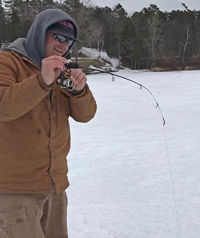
65 79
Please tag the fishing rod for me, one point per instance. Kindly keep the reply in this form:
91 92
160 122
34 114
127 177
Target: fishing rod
66 81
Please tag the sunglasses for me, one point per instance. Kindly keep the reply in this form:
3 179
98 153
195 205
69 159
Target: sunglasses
62 39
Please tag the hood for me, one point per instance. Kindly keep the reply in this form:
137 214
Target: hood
33 46
17 46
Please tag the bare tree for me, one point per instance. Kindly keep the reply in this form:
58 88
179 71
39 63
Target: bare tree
96 37
185 41
154 30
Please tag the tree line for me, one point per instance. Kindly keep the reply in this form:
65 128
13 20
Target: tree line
146 39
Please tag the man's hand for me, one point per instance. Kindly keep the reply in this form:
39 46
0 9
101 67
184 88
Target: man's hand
52 67
79 78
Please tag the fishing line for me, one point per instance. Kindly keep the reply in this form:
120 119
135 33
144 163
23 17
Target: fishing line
172 183
165 138
156 105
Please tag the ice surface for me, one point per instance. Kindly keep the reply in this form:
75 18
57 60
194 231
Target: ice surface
126 180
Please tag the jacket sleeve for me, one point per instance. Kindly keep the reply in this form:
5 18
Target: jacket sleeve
82 106
17 98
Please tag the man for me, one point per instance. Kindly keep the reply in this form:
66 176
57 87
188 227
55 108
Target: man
34 127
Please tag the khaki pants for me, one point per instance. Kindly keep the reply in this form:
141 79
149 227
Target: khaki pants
33 215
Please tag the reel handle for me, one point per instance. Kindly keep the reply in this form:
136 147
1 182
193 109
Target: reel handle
72 65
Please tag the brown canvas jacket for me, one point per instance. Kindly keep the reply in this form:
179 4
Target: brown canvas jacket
35 134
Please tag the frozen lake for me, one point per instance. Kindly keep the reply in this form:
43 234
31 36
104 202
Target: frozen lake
130 176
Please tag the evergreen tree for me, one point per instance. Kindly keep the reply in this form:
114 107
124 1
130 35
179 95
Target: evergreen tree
147 36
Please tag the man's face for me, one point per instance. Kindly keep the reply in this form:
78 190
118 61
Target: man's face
54 47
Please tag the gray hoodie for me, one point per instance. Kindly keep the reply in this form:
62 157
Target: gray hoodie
33 47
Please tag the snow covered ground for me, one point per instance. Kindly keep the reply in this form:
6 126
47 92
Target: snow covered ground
125 180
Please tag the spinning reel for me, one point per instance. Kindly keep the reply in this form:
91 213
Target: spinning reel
65 79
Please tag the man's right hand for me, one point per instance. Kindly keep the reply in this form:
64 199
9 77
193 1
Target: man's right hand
52 68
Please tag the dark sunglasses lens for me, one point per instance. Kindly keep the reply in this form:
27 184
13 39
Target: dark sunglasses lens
62 39
69 42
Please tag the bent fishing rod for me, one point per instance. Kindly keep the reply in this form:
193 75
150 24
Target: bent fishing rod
66 81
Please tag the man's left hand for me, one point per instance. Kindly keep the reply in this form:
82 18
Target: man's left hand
79 79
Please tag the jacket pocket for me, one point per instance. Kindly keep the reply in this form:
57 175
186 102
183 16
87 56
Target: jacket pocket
15 222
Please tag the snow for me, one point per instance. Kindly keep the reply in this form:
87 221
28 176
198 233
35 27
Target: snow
94 54
130 176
